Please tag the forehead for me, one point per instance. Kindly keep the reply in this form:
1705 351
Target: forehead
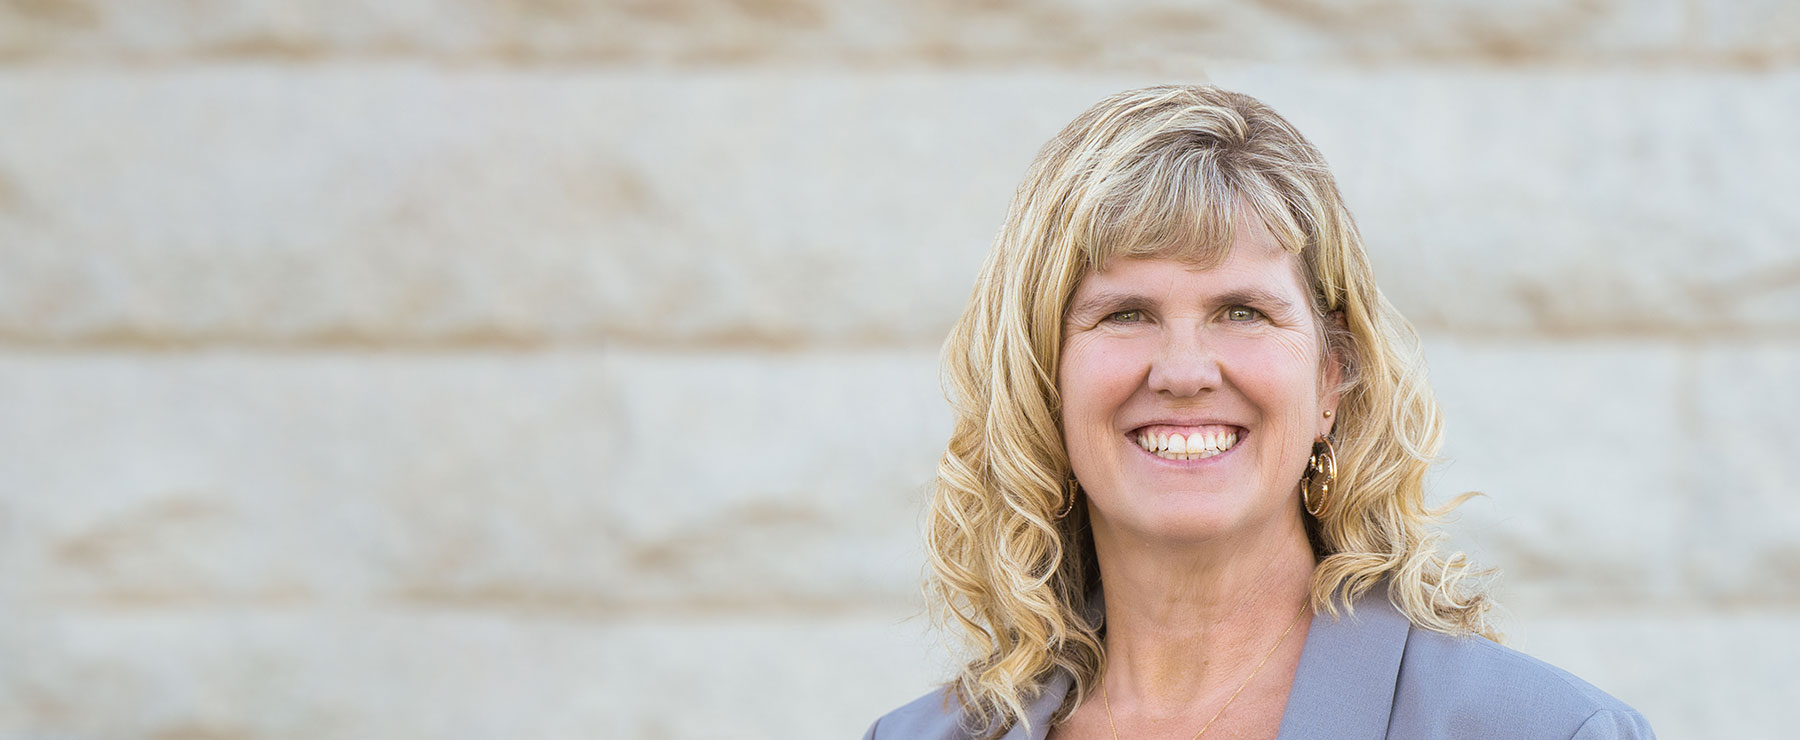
1254 259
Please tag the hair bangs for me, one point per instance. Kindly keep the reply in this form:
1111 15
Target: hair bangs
1274 206
1179 203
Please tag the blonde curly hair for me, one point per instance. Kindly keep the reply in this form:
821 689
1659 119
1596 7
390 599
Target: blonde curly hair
1162 171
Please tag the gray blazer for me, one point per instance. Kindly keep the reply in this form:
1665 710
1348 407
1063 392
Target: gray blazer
1371 676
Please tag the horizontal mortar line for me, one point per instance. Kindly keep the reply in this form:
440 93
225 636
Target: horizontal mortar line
400 345
577 606
1673 335
701 60
523 345
898 608
1697 607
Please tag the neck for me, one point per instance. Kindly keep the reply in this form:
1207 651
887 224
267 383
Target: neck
1187 623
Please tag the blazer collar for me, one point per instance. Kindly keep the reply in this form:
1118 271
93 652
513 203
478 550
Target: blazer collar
1343 689
1042 707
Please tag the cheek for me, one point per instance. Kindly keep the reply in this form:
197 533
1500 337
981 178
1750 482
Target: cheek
1281 377
1095 380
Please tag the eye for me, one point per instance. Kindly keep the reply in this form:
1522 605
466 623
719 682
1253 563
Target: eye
1131 316
1242 313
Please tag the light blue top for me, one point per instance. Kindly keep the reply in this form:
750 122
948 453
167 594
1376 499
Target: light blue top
1368 676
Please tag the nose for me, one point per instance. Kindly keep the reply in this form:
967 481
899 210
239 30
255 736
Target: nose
1184 364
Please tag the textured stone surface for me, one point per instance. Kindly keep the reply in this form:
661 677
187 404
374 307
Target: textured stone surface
1753 30
1747 410
261 497
1572 205
776 479
864 32
411 206
540 369
222 477
343 205
385 672
1578 448
280 673
1692 674
568 482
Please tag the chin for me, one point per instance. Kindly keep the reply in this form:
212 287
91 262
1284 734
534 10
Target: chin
1187 521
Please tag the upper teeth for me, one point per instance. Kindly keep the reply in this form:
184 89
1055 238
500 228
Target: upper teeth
1196 446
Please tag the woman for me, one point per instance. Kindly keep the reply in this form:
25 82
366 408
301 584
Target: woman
1184 496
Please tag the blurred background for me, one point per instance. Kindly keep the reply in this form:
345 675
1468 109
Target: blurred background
552 369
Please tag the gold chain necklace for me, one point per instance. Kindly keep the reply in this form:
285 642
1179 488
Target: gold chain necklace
1234 694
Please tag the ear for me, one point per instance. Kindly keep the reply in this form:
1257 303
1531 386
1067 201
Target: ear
1333 374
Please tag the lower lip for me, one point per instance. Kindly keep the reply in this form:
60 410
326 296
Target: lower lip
1190 463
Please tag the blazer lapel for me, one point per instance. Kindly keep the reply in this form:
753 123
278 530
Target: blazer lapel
1344 687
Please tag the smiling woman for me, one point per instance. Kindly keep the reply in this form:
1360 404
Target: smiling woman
1186 420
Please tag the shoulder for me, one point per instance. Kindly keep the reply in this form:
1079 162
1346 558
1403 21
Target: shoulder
1473 687
940 716
934 716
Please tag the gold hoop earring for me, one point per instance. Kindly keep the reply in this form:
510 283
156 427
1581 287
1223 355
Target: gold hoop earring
1321 472
1074 488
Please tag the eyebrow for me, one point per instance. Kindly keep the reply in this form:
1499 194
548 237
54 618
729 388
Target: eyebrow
1237 296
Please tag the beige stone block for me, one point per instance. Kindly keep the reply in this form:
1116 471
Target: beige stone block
1754 32
381 671
1565 204
1579 450
565 482
763 479
233 478
348 205
404 206
1745 420
761 678
1691 672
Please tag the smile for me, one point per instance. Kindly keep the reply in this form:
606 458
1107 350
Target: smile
1171 443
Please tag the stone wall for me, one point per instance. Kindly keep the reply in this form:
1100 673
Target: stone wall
546 369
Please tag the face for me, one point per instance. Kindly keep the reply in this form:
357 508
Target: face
1192 396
